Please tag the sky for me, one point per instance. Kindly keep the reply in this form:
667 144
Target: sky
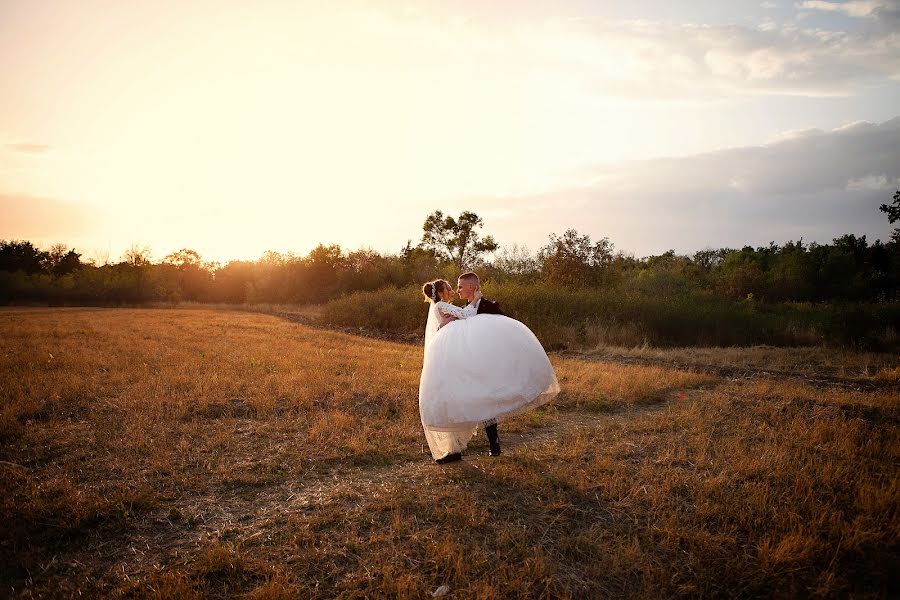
234 128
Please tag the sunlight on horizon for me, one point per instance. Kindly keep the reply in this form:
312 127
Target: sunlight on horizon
234 130
282 123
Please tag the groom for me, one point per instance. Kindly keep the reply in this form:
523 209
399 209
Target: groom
468 286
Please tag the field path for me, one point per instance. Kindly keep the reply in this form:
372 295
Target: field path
178 527
816 378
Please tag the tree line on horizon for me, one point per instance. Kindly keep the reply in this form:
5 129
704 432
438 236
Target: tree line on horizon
849 269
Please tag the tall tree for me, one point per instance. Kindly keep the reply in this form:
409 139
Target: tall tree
893 212
457 239
184 258
574 259
137 256
516 260
62 261
21 256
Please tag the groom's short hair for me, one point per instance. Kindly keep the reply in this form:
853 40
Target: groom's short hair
470 275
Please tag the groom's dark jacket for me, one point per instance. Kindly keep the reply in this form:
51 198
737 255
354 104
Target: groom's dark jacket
487 307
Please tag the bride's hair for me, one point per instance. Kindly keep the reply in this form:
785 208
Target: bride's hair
433 289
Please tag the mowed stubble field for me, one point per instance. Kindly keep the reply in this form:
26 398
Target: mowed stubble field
201 453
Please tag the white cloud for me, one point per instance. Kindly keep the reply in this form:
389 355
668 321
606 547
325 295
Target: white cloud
813 184
884 15
645 59
873 181
27 148
853 8
43 220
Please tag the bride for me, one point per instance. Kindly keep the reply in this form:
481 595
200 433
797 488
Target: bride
476 368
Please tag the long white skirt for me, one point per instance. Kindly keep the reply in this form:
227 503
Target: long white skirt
477 369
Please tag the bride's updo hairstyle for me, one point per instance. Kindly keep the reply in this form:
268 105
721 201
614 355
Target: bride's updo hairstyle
432 290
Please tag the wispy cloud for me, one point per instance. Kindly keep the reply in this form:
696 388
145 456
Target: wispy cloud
813 184
886 11
27 148
853 8
43 220
645 59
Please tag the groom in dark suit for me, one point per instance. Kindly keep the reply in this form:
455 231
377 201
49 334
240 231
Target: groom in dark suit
468 286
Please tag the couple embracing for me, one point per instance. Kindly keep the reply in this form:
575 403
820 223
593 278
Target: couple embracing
480 365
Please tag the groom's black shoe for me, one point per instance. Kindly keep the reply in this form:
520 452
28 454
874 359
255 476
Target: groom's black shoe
493 439
449 458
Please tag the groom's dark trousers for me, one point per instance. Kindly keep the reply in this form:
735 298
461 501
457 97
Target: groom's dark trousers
487 307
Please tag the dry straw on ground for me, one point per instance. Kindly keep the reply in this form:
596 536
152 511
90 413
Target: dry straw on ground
164 453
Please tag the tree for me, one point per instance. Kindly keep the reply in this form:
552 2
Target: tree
322 267
184 258
55 254
61 261
893 212
515 260
708 259
457 239
418 263
99 257
193 276
21 256
137 256
368 269
573 259
791 274
857 247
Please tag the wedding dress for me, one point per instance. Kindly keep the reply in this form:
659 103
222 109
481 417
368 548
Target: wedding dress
477 368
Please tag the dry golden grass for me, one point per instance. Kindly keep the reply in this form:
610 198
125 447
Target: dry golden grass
809 361
197 453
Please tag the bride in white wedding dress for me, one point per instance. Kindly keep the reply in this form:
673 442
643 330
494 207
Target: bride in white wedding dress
476 368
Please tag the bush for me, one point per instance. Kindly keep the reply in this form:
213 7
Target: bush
585 318
392 310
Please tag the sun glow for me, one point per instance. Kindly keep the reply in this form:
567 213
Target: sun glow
236 128
236 132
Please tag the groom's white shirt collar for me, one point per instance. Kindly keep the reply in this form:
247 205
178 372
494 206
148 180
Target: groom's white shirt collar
477 302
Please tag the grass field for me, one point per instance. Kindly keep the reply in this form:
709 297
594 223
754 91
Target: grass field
209 453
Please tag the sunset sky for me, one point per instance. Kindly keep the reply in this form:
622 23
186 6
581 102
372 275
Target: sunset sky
238 127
